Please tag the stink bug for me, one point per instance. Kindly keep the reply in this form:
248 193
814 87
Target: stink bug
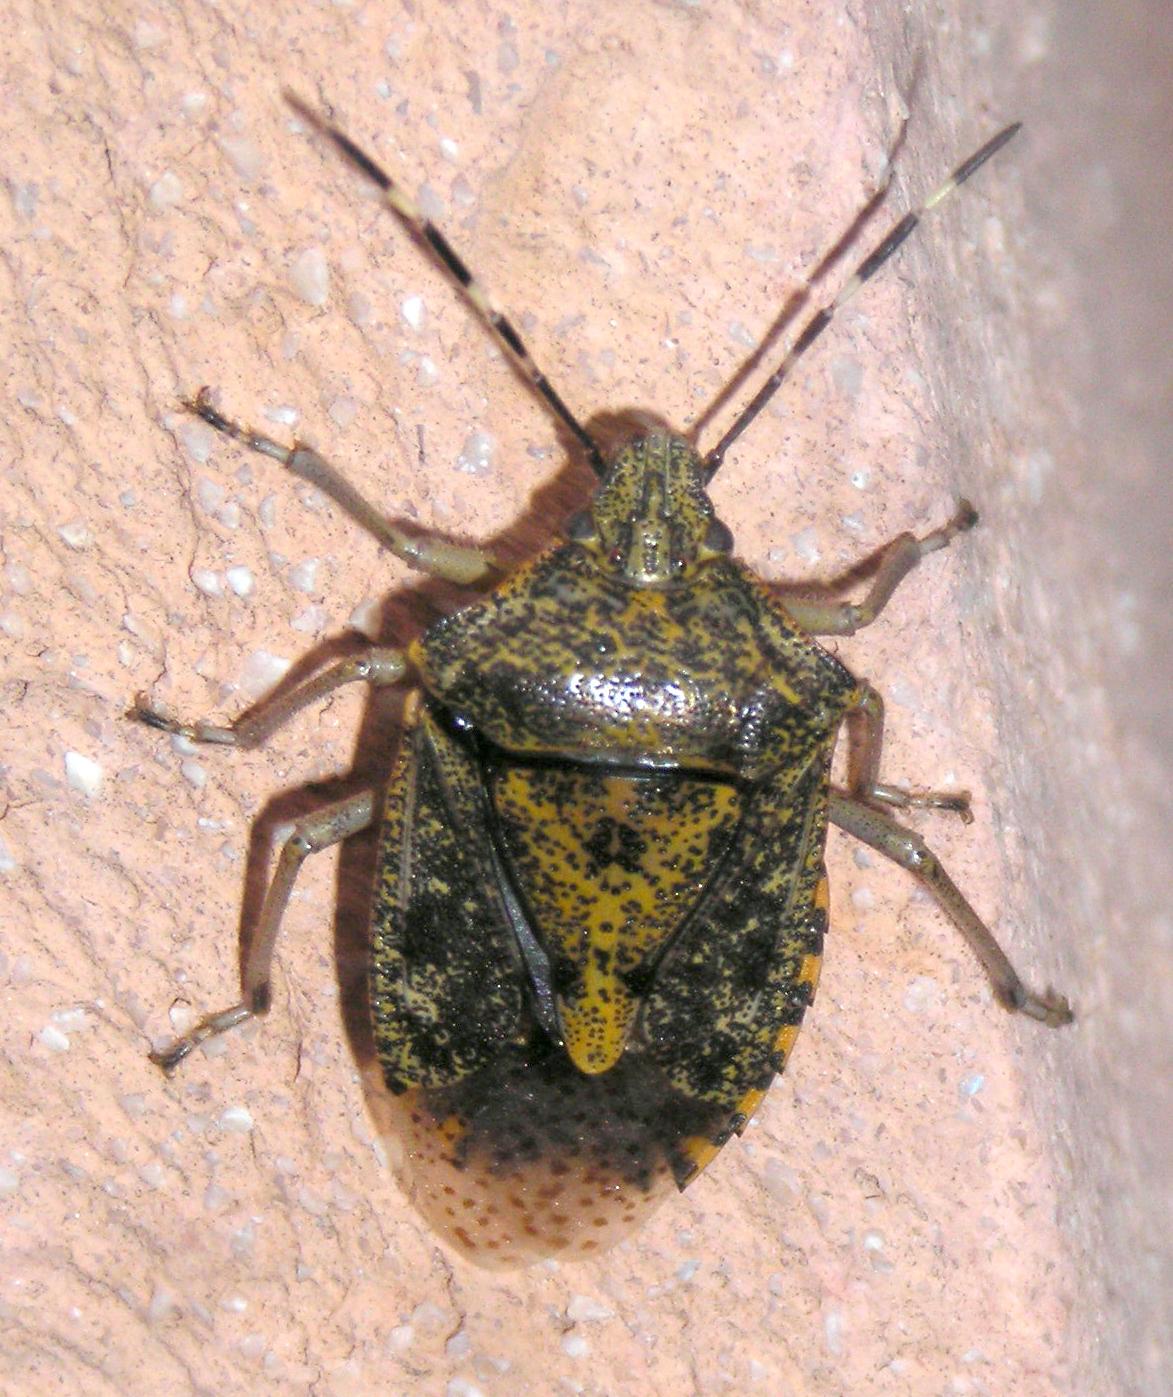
600 898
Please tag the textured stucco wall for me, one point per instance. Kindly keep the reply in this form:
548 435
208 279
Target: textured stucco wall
936 1198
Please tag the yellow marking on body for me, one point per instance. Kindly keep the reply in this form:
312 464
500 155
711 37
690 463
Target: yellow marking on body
699 1150
608 866
750 1102
809 971
785 1040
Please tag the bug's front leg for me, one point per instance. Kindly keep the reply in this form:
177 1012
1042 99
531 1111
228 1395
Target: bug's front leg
310 835
892 565
428 552
904 846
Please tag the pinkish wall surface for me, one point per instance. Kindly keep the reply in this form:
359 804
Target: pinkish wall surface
936 1198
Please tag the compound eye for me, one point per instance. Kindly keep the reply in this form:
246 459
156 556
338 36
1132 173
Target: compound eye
581 528
718 537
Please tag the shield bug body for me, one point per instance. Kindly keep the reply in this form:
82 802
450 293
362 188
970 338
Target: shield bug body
600 898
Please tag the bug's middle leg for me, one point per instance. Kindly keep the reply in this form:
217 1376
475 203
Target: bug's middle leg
310 834
378 666
896 560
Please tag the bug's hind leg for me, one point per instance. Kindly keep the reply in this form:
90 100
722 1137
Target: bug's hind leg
881 832
427 552
893 564
310 835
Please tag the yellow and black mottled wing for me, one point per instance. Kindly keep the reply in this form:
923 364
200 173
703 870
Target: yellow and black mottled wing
729 996
447 977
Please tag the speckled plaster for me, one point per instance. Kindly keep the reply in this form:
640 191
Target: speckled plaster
937 1198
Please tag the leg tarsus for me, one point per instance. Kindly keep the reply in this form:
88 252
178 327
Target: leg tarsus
906 798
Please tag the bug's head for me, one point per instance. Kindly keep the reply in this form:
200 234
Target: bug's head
651 522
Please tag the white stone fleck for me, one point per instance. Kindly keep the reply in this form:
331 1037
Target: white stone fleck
52 1038
216 1199
366 618
575 1346
360 309
476 454
284 414
240 579
806 545
461 1387
847 374
343 410
585 1308
83 774
427 373
153 1174
167 191
310 276
162 1305
236 1119
312 1202
9 1182
19 579
148 35
262 670
194 774
7 860
833 1327
244 155
449 149
459 1346
400 1338
196 438
303 576
75 535
971 1084
412 310
208 582
209 494
24 199
921 993
311 621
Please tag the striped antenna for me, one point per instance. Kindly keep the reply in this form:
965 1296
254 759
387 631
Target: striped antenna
425 232
867 269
